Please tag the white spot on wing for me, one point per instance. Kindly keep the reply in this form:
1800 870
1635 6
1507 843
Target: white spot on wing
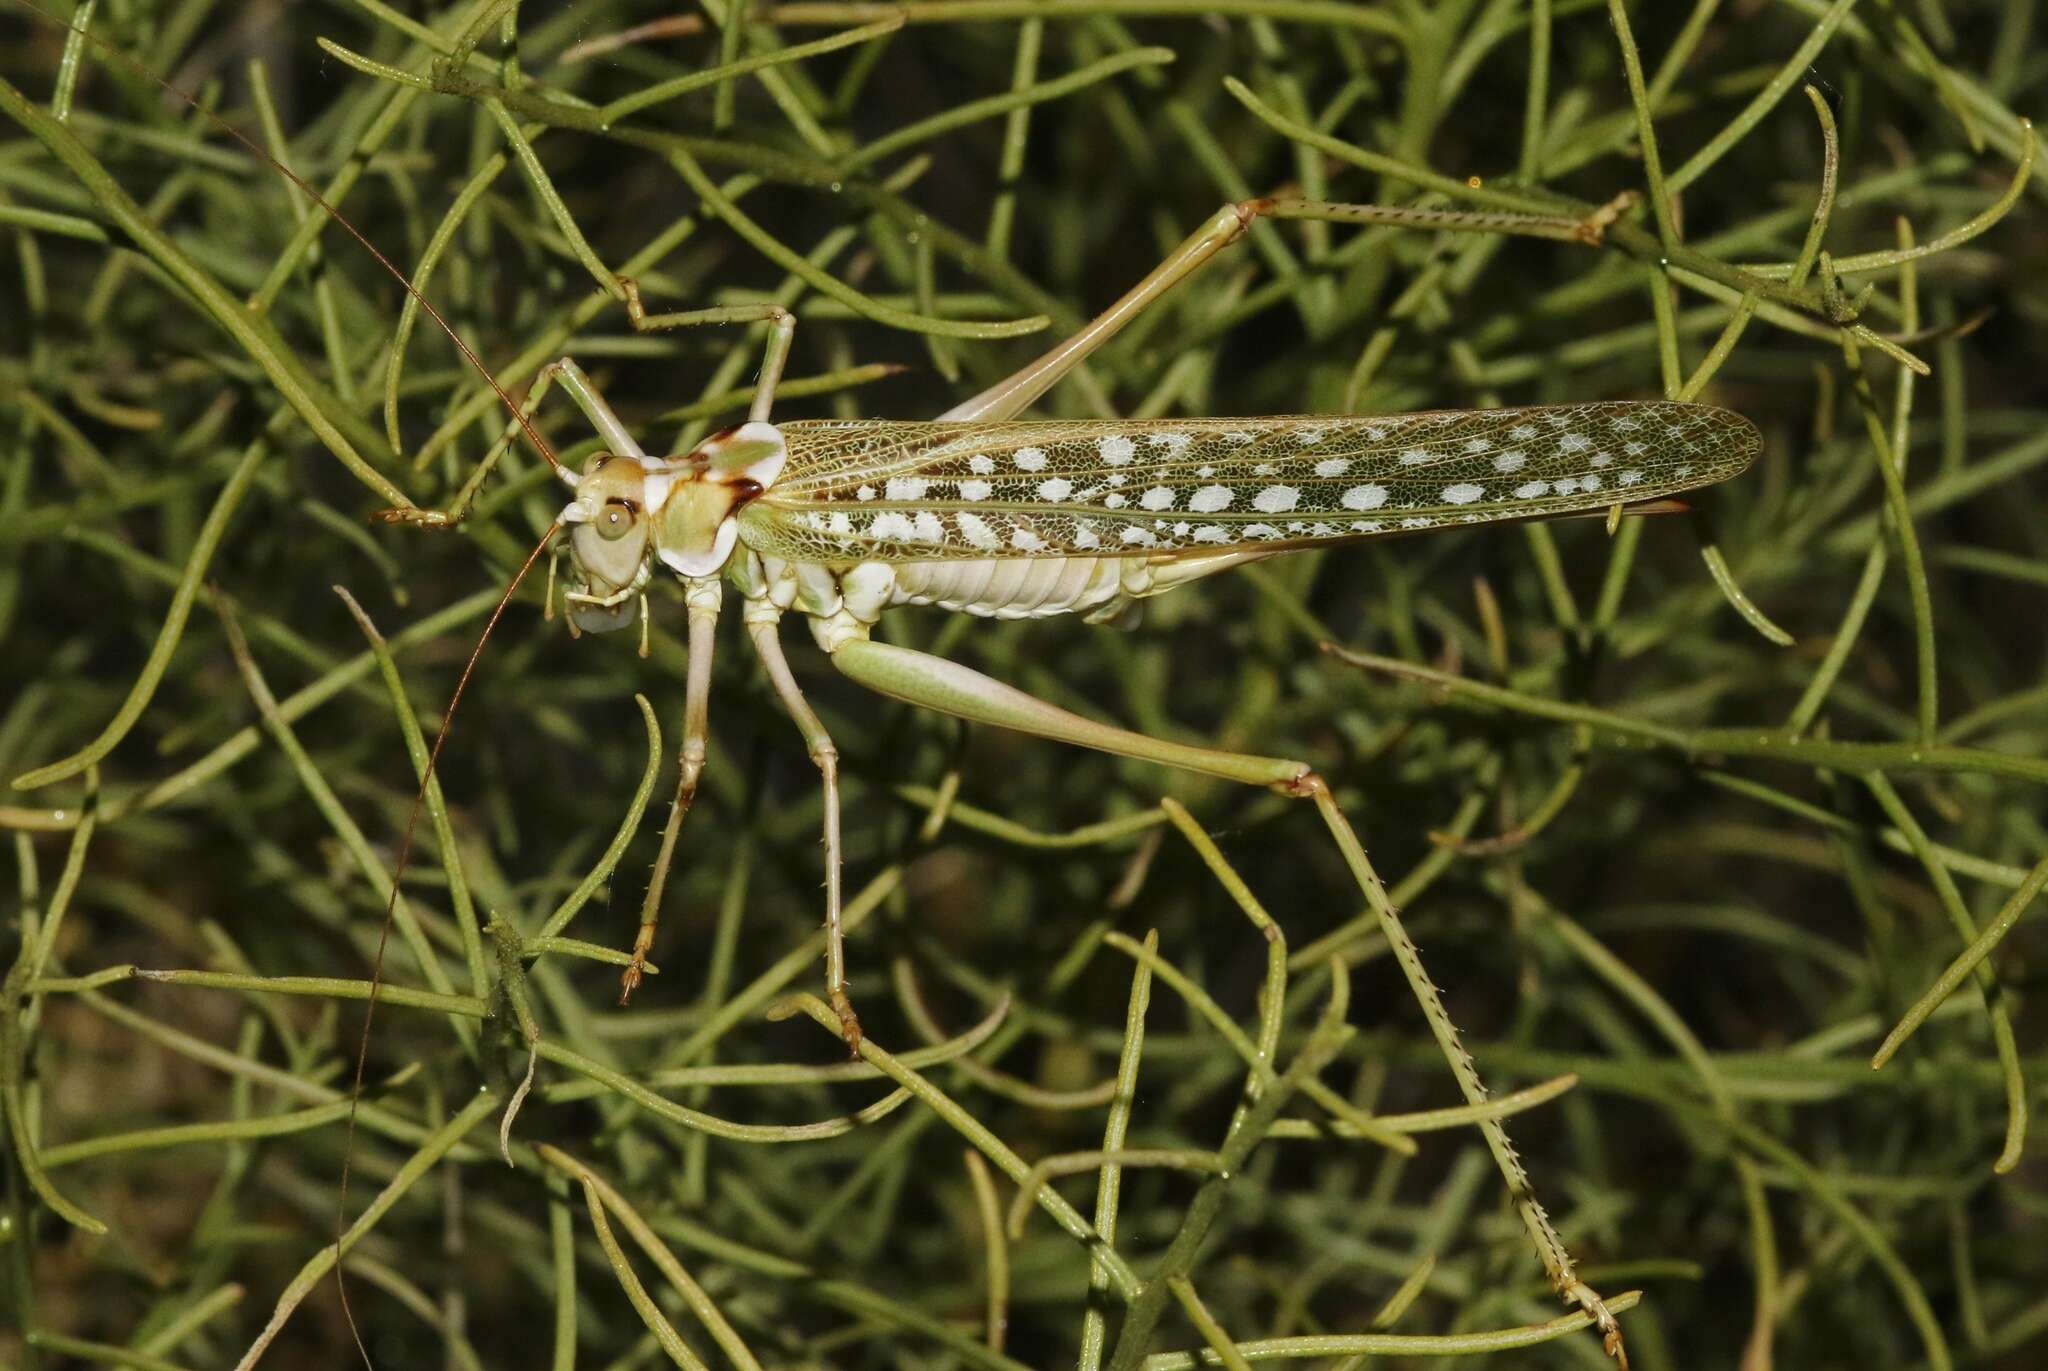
1332 466
1055 489
1158 497
1510 461
905 488
1463 493
864 493
1415 457
1275 499
975 490
1030 459
1209 499
976 531
1364 497
1531 489
1114 448
981 464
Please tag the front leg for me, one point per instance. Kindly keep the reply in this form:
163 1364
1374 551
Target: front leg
782 330
702 596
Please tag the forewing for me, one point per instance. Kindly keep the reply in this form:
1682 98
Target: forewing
891 491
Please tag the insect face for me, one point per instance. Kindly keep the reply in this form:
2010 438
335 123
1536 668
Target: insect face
610 540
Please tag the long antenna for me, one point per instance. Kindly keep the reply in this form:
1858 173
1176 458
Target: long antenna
540 445
412 823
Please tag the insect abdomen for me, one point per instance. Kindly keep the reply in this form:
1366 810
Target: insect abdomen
1013 587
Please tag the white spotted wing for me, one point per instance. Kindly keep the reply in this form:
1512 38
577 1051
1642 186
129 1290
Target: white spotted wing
891 491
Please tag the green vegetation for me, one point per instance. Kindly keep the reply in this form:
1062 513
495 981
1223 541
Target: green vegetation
1693 818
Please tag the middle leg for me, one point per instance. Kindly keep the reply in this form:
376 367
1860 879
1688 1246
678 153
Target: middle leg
763 620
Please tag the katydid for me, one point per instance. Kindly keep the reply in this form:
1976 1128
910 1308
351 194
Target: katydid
986 514
982 513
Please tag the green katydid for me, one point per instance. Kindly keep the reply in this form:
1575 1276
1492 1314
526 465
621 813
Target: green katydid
982 513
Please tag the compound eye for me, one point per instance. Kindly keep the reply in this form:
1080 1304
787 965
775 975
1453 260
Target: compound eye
614 521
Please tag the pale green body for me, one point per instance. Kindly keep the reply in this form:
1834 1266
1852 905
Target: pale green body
839 520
